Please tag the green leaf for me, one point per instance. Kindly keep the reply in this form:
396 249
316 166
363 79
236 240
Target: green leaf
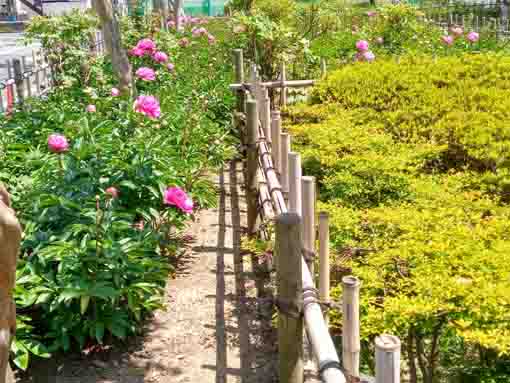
84 303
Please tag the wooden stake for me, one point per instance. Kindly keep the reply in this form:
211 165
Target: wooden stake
252 165
324 282
177 14
387 359
19 80
289 284
283 92
295 205
284 163
350 331
276 131
36 69
308 187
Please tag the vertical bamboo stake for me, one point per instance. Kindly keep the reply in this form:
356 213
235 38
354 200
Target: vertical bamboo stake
276 131
350 331
324 283
252 165
324 68
1 101
239 76
387 359
27 80
265 114
283 91
18 78
295 205
290 322
284 163
308 187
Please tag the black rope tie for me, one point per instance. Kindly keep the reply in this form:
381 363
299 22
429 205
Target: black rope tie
329 364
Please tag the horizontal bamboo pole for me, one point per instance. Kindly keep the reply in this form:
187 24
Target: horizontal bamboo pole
278 84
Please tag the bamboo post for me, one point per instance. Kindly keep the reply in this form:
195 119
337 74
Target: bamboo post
289 285
265 113
283 91
350 331
239 76
308 190
276 131
252 165
284 163
324 282
295 205
27 79
324 68
387 359
19 80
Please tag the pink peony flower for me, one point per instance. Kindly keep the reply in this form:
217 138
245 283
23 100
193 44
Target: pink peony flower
194 20
368 56
211 39
184 42
457 31
91 108
146 74
170 67
112 192
379 40
362 45
177 197
137 52
115 92
148 106
371 13
447 40
171 24
140 225
473 37
57 143
196 32
147 46
160 57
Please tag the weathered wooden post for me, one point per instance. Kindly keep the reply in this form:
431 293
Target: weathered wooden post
276 131
324 272
284 163
308 190
350 331
252 137
295 205
239 76
35 58
289 285
283 89
10 237
18 78
387 359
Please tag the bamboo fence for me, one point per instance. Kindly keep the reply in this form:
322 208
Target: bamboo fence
277 191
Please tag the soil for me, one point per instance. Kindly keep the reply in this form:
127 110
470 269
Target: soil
217 325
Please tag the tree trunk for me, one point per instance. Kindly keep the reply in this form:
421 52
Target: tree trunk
113 44
413 376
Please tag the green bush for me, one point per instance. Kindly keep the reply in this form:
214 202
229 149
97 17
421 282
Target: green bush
93 265
412 164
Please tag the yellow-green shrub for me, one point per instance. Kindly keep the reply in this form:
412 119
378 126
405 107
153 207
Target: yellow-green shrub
412 164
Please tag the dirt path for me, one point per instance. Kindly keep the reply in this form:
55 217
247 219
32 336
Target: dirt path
214 330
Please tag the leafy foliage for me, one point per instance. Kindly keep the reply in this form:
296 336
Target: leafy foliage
411 161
